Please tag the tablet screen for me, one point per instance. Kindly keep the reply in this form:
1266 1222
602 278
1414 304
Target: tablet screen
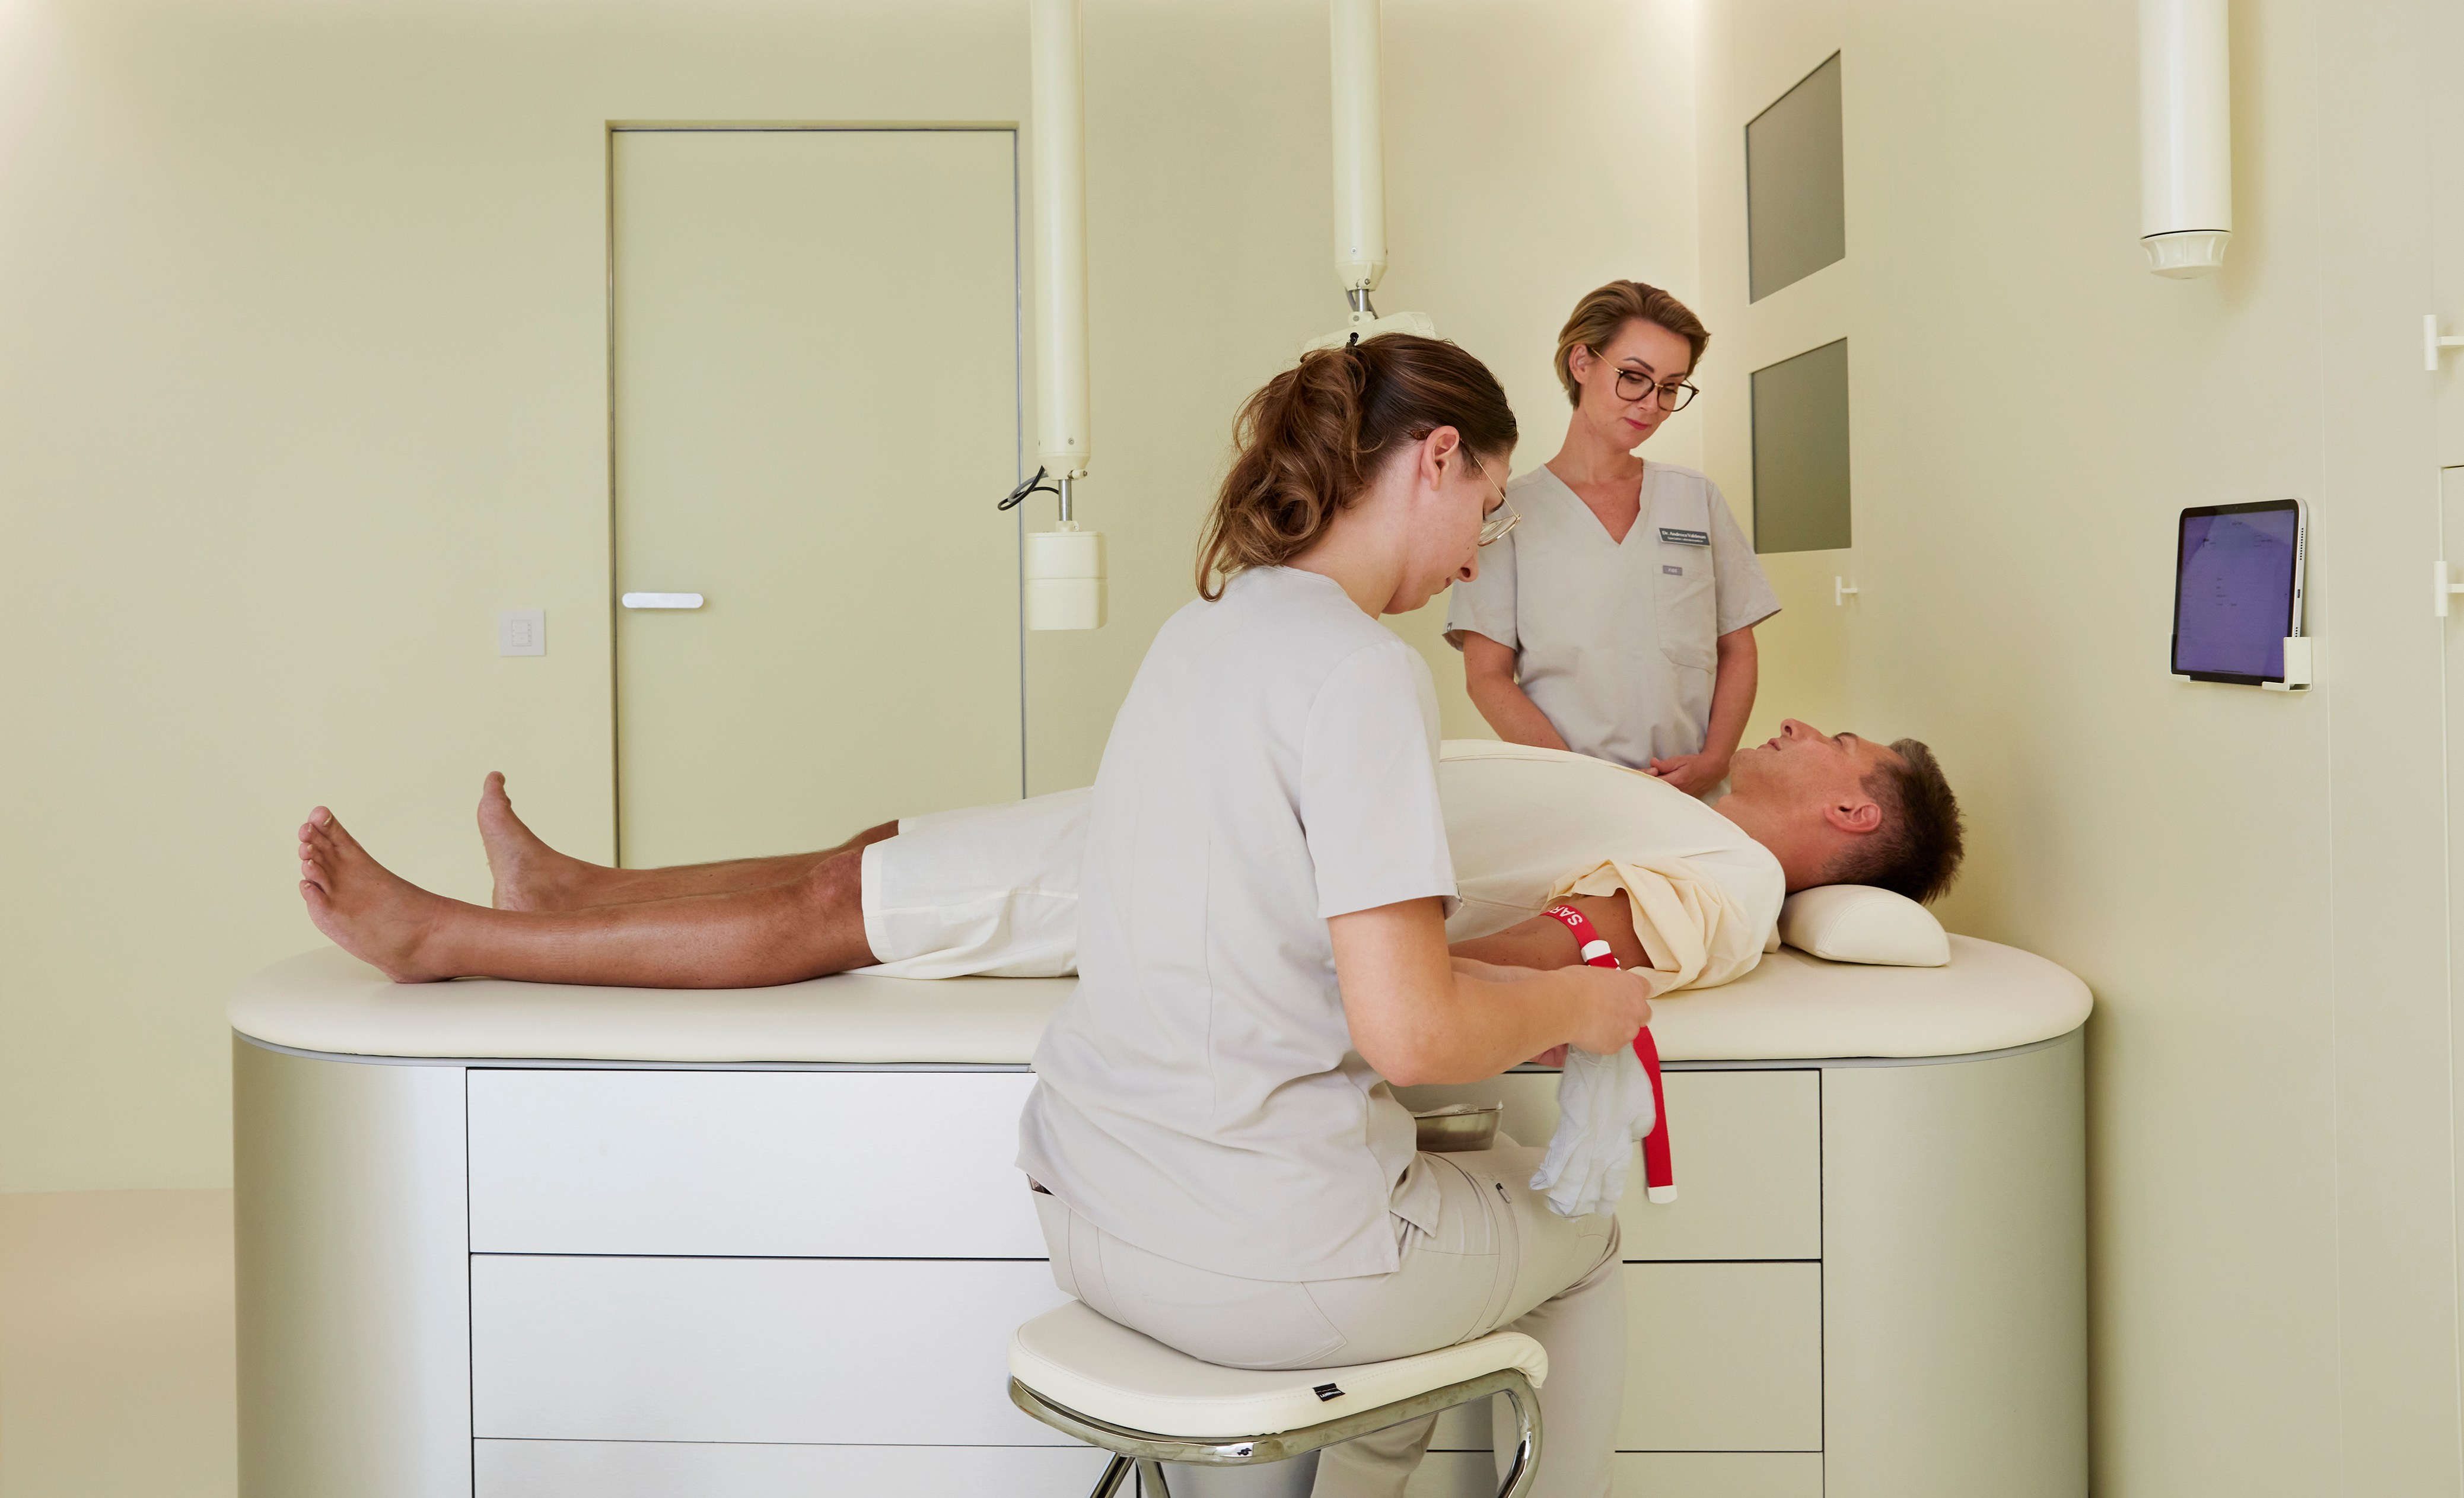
2234 591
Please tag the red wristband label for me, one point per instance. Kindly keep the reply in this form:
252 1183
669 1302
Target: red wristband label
1596 951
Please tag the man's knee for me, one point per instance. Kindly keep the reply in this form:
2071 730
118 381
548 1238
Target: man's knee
832 895
835 886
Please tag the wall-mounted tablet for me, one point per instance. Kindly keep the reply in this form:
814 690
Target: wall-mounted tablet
2237 590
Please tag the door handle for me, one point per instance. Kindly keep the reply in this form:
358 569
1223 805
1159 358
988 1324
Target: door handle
662 599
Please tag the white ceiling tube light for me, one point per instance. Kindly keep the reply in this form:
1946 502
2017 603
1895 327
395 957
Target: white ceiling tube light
1360 175
2185 135
1063 566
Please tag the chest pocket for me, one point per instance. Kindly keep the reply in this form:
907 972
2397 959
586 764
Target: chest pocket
1687 593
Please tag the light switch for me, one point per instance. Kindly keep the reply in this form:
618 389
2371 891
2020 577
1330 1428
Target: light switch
522 631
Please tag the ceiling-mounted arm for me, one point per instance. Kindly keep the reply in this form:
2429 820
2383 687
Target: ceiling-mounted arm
1063 566
1359 153
1059 118
1360 176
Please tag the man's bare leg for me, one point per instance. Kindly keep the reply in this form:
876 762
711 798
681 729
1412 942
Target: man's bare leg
745 939
530 875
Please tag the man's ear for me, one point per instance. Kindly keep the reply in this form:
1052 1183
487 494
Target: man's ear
1857 817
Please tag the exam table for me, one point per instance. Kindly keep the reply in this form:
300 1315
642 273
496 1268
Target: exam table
507 1239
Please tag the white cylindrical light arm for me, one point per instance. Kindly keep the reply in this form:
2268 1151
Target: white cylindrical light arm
2185 135
1360 147
1058 116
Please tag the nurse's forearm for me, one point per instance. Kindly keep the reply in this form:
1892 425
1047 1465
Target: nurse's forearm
1515 717
1732 693
1488 679
1417 1019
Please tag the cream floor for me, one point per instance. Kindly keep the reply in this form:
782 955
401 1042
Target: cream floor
116 1366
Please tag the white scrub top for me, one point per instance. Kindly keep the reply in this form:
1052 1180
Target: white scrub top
1615 642
1199 1097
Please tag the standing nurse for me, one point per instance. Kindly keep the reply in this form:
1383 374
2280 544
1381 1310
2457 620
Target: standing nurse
1219 1157
1617 621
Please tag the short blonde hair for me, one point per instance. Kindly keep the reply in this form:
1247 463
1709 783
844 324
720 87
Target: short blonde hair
1602 315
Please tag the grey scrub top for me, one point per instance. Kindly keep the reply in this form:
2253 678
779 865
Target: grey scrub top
1615 642
1275 764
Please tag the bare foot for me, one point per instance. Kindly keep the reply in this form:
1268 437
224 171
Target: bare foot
370 911
529 874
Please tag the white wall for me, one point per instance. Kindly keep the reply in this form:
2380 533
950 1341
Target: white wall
303 375
2251 882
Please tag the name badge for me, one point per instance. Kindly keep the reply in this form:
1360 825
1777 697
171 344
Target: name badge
1685 537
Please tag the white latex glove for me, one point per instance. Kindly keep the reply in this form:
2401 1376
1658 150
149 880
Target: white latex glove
1603 1109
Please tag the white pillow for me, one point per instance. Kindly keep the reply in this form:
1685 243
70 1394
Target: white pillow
1860 923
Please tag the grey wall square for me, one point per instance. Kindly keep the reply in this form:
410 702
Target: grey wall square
1801 451
1797 196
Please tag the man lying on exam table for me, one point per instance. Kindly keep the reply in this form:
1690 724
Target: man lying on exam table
993 889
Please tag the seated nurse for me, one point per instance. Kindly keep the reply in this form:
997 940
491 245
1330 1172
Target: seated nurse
1618 619
1218 1157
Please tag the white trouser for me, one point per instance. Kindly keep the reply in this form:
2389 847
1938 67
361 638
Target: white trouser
1498 1258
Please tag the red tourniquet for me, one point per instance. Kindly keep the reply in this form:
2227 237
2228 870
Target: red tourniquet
1658 1175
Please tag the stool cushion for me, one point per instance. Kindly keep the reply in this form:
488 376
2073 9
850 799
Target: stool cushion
1078 1359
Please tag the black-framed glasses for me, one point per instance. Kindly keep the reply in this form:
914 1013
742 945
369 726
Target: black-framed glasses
1674 395
1494 525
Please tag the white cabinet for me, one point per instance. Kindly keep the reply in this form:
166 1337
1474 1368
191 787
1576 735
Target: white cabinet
810 1164
1747 1147
676 1469
1641 1474
875 1351
752 1282
1723 1358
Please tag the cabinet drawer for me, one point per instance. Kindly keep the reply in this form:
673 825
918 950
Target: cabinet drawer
1747 1148
873 1352
1723 1358
1656 1474
672 1470
1719 1474
861 1164
1720 1357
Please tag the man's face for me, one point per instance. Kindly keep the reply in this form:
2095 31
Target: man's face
1806 770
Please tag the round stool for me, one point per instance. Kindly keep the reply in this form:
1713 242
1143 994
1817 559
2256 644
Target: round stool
1146 1405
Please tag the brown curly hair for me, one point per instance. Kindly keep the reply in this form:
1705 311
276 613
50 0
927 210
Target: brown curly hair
1307 446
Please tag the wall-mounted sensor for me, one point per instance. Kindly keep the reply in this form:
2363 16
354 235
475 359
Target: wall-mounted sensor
522 631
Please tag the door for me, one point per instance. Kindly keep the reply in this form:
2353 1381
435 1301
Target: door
815 389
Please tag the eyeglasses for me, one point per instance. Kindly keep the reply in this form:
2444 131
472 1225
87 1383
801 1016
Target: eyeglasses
1675 395
1494 527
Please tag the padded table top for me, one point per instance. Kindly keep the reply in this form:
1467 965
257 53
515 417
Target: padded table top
1790 1007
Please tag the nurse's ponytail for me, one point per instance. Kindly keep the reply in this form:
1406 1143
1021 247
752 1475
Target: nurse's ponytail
1307 446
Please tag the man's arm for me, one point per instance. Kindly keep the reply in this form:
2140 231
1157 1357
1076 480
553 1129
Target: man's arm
1733 682
1543 943
1488 676
1416 1017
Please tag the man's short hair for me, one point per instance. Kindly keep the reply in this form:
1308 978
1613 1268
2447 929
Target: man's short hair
1916 849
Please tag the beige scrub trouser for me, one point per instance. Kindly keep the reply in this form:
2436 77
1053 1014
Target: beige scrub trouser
1497 1258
